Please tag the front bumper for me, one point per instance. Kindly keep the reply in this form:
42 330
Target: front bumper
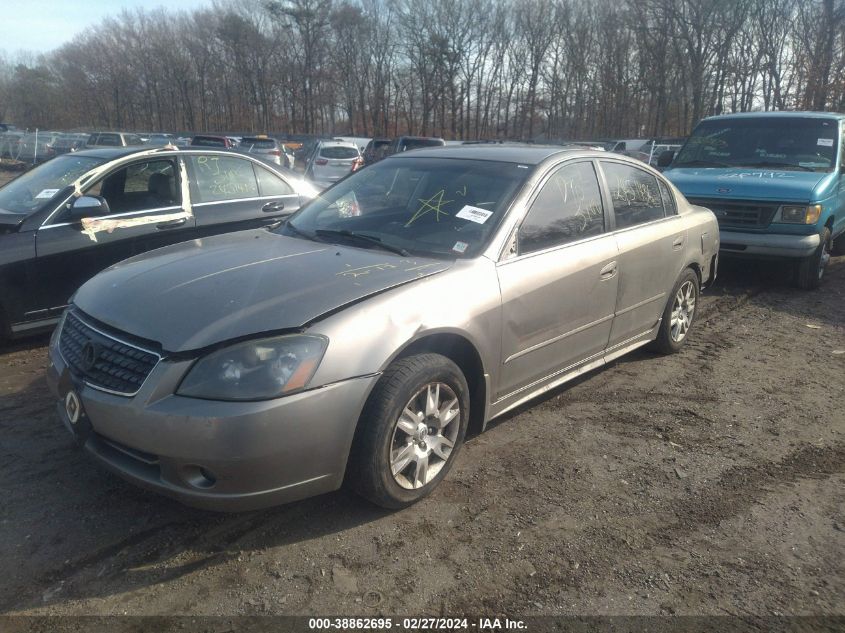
768 244
225 456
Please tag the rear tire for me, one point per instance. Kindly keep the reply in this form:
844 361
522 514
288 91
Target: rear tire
410 431
679 314
809 271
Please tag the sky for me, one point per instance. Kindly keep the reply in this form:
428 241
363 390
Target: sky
42 25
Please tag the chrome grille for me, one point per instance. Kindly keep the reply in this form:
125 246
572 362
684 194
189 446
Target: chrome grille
739 213
104 362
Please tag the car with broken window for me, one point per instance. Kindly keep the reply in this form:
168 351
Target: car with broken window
68 219
432 291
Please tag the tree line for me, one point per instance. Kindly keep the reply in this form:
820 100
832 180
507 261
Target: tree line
515 69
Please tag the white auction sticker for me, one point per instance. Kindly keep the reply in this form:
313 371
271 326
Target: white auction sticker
460 247
47 193
825 142
474 214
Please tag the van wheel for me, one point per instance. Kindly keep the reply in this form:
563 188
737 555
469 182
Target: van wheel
5 326
410 431
679 314
838 246
810 270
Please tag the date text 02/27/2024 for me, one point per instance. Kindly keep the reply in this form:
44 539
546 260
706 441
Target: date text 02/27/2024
410 624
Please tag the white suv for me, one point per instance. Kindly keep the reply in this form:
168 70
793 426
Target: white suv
332 160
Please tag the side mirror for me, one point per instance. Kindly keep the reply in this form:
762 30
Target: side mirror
87 206
665 158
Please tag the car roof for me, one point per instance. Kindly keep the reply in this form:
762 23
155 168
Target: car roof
779 114
110 153
523 154
114 153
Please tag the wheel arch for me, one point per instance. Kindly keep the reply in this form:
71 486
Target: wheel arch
461 351
696 268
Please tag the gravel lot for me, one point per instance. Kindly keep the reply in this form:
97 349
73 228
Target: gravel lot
709 482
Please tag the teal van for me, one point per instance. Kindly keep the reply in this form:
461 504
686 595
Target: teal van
776 182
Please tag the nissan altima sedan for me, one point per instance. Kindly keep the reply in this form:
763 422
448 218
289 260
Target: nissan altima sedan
358 341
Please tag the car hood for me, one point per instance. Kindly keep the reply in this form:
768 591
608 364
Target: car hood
11 221
748 183
195 294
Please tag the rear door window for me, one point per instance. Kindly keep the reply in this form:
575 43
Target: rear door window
269 184
635 194
219 178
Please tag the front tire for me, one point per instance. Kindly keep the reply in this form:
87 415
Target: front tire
679 314
809 271
410 431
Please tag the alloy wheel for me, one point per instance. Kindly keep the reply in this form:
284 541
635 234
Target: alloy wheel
424 436
683 309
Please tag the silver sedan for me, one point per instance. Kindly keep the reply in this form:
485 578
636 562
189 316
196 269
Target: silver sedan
357 342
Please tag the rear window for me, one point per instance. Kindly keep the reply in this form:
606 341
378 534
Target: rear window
208 141
339 152
111 140
421 142
259 143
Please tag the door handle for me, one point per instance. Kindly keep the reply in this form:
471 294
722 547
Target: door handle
170 224
608 272
678 243
272 207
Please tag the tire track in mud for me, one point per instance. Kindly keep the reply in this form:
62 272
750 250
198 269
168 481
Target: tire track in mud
739 487
203 544
593 552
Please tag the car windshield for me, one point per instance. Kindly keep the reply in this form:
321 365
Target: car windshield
32 190
806 144
442 207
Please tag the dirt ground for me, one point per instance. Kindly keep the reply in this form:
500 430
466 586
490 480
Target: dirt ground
709 482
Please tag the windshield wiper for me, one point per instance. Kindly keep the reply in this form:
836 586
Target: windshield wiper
776 164
295 230
360 237
701 163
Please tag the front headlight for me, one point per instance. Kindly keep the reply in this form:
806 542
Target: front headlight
256 370
800 214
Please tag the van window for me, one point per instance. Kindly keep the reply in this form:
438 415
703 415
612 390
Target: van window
763 142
